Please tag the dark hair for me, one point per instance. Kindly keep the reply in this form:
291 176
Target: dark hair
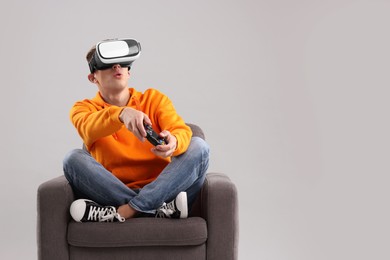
90 53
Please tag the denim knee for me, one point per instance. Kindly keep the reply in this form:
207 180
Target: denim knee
199 149
72 158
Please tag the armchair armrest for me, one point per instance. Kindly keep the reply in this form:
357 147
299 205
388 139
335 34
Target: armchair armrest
219 206
53 200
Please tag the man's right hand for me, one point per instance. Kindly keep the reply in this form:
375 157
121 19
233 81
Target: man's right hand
134 121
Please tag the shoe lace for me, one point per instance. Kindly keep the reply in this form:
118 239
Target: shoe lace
104 214
166 210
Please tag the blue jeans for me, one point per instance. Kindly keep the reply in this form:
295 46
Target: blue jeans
186 172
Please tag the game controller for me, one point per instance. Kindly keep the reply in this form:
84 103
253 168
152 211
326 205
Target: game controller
153 137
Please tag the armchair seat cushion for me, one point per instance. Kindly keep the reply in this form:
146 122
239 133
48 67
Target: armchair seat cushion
139 232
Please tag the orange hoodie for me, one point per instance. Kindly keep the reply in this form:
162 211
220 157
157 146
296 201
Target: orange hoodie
116 148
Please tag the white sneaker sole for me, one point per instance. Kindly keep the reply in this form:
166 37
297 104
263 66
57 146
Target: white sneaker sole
181 204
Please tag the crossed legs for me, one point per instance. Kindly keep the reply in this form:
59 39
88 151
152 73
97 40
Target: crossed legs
186 172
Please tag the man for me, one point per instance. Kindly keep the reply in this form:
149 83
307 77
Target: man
119 175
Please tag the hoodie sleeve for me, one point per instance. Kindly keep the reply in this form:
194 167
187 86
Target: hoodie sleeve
93 122
168 119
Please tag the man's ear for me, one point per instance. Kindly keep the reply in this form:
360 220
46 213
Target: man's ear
91 78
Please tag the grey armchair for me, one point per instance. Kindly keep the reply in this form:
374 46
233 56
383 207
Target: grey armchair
210 232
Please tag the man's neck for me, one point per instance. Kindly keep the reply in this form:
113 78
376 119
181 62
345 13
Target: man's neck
120 98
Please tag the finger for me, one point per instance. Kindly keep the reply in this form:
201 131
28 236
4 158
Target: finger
163 154
137 134
161 148
146 120
165 134
171 141
141 126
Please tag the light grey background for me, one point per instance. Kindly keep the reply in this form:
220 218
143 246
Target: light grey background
293 97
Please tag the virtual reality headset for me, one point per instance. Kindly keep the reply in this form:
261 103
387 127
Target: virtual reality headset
115 51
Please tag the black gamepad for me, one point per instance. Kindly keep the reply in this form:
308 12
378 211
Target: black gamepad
153 137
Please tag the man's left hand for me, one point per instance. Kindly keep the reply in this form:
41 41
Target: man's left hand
166 150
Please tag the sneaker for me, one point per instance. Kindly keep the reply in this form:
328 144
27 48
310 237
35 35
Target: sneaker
83 210
177 208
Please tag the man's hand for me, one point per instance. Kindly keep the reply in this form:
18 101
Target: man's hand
166 150
134 121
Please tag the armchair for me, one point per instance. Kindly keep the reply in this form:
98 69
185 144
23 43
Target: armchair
210 232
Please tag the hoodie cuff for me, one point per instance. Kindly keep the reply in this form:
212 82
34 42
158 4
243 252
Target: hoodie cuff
114 114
